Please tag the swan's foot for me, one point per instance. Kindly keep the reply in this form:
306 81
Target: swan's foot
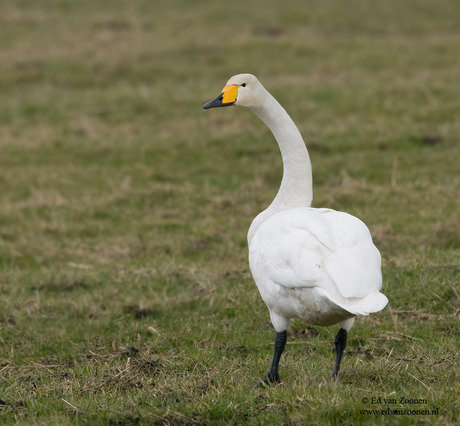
272 377
268 380
340 345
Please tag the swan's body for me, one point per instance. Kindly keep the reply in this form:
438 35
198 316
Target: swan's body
318 265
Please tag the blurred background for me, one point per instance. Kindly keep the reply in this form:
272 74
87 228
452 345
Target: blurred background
124 206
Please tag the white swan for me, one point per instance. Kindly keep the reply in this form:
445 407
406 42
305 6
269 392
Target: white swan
319 265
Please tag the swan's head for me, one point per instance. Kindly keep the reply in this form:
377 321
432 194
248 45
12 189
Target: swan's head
242 90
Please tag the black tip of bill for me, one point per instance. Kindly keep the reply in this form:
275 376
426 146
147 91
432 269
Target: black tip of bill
215 103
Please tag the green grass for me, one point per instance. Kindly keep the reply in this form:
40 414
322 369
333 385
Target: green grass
125 293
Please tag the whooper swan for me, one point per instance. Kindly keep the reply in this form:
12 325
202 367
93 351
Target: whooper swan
319 265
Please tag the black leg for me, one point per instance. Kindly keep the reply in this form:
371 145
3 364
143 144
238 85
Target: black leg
340 345
272 375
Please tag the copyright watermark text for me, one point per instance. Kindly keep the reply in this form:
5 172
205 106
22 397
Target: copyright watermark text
399 406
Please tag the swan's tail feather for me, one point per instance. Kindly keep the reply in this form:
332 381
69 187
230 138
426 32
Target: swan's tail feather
373 302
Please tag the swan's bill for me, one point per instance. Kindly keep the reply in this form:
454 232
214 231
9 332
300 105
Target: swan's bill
226 98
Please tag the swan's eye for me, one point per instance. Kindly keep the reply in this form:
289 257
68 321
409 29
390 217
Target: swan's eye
243 85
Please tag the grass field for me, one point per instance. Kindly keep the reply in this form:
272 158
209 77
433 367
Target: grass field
125 292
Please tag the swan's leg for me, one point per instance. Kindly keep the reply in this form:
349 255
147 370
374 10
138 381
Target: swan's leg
340 345
272 375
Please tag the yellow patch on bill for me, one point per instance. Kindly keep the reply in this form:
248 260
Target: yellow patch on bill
230 93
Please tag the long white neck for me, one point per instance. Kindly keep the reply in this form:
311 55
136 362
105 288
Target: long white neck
296 188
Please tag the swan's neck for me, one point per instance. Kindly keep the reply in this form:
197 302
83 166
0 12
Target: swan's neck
296 188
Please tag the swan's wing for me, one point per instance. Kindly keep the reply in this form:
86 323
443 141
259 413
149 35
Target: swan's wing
355 266
288 252
317 248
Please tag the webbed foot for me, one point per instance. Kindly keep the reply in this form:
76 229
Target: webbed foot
269 379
